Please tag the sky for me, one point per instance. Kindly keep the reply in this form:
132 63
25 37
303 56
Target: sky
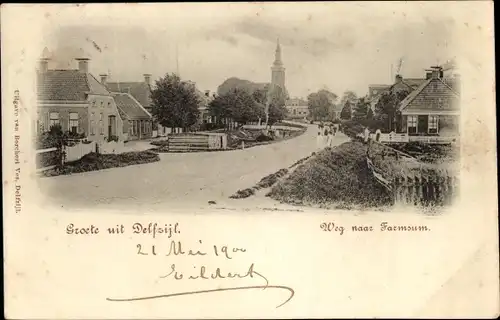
334 46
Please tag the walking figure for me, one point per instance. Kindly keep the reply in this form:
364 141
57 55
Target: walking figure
329 139
319 141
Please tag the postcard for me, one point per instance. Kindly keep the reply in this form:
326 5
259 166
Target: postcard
249 160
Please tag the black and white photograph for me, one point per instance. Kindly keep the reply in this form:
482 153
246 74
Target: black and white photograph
256 112
249 160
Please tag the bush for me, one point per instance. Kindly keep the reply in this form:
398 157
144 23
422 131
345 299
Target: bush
113 138
245 193
94 161
263 137
351 128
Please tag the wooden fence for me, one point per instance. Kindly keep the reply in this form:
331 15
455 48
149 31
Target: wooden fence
422 188
77 151
405 138
47 159
425 191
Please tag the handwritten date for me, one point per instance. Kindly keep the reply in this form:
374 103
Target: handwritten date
176 248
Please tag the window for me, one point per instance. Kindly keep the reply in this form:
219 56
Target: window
109 104
433 124
102 104
53 118
73 122
92 127
412 124
100 116
101 127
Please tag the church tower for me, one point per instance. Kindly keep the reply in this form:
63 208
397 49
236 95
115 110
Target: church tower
277 70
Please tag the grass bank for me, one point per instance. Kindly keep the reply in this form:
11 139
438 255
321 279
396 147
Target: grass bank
337 178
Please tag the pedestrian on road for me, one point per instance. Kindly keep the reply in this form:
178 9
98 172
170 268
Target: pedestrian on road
330 139
319 141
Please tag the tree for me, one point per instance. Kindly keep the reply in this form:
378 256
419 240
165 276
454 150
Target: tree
361 111
276 99
386 108
175 102
237 105
348 96
321 103
346 112
369 115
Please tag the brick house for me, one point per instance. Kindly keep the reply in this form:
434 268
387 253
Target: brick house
77 101
297 108
432 109
137 121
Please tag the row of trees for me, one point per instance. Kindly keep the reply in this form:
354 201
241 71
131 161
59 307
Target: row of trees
383 116
323 104
175 104
244 106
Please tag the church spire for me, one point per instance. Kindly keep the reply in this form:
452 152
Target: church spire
277 58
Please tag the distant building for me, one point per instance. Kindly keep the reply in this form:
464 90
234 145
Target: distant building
140 90
297 108
137 121
134 102
400 84
77 101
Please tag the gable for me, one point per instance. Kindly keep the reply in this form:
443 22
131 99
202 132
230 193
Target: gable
141 91
433 95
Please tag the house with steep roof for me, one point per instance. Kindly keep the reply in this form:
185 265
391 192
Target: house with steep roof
137 121
77 101
400 84
140 90
432 109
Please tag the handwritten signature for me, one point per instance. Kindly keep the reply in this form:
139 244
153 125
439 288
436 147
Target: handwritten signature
204 275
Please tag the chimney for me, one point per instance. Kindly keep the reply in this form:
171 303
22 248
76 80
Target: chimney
147 79
43 65
104 78
43 62
435 73
399 78
83 64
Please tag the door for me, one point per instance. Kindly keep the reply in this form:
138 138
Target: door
111 126
422 124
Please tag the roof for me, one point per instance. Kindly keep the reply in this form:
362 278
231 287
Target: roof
67 85
298 101
413 82
141 91
130 108
433 94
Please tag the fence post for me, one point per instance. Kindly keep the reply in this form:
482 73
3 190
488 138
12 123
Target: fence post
417 190
432 191
395 190
449 195
409 190
425 191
